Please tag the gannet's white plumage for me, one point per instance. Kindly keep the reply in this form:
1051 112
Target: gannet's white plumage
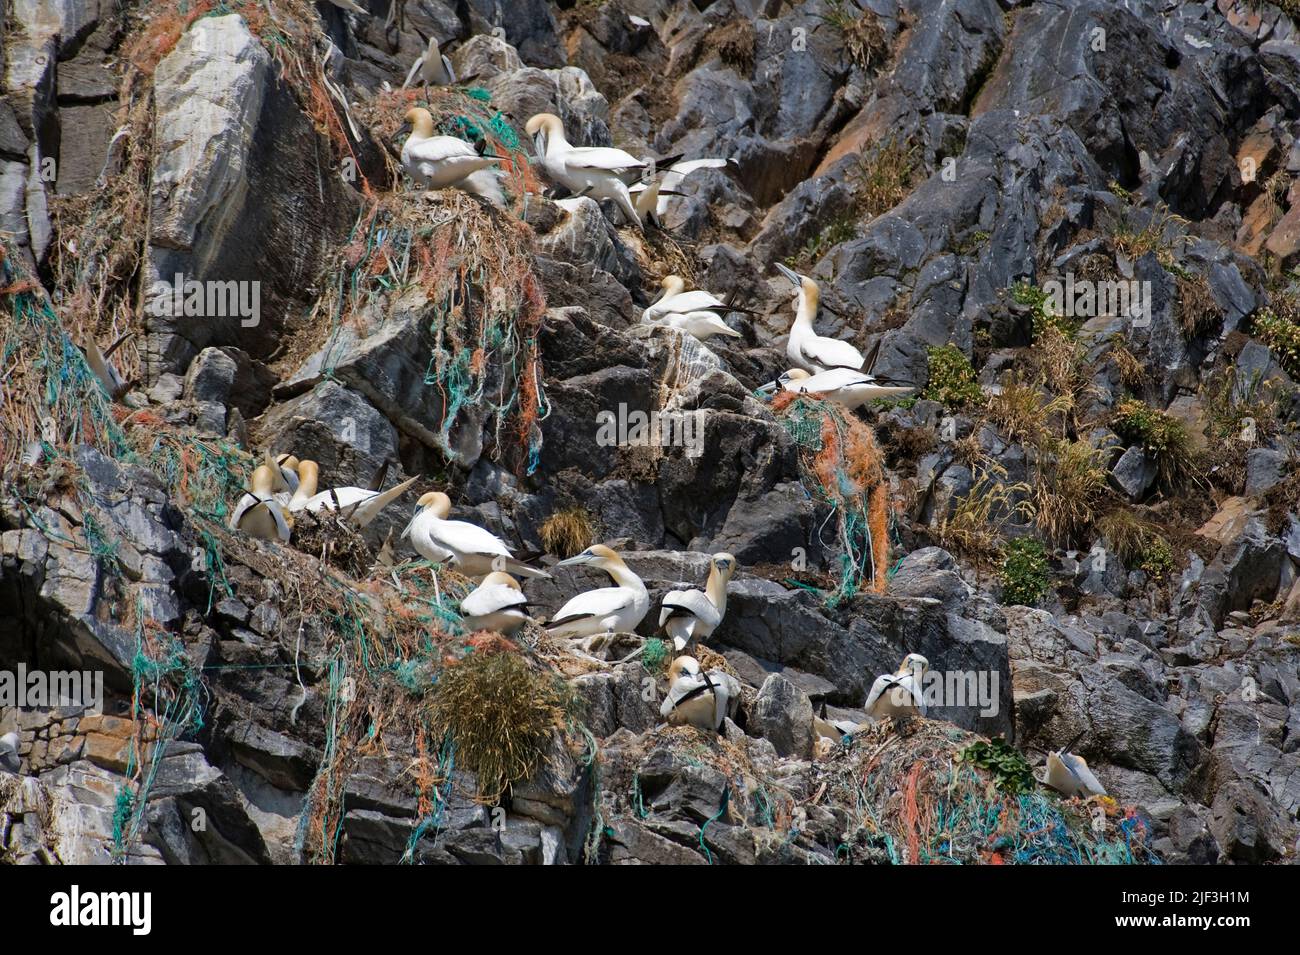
474 551
1069 775
697 698
358 506
601 172
616 609
900 693
695 313
852 389
831 729
258 513
445 162
496 604
651 197
433 67
699 325
9 758
806 349
691 615
104 369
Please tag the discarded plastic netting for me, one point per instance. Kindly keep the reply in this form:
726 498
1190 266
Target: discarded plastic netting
840 459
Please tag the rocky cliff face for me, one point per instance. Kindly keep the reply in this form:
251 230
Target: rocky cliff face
1089 508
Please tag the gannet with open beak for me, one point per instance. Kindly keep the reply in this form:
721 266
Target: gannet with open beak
899 693
601 172
433 67
358 506
852 389
617 609
445 162
691 615
496 604
649 196
10 761
258 514
697 698
468 547
806 349
1069 774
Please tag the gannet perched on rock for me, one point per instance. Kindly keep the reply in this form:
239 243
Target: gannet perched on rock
358 506
616 609
433 66
1069 774
10 761
445 162
697 698
258 513
852 389
496 604
828 728
601 172
899 693
649 195
695 313
806 349
690 615
468 547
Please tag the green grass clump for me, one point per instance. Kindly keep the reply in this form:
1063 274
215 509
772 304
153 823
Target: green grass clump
1024 572
1137 543
1281 333
1163 437
1011 772
952 378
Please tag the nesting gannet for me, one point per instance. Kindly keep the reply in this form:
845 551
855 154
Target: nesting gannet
496 604
258 513
899 693
284 467
433 67
1069 774
649 202
698 698
674 299
445 162
616 609
852 389
357 506
828 728
9 758
690 615
806 349
472 550
104 369
601 172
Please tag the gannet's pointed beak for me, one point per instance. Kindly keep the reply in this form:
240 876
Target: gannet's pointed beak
769 388
789 273
582 558
403 130
539 143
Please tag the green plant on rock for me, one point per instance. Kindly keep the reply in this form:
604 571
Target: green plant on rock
1163 437
1281 333
1137 543
1010 770
864 34
1042 313
1024 572
884 179
952 378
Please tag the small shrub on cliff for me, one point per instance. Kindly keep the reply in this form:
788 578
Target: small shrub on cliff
1024 572
952 379
568 532
1163 437
1010 770
1281 333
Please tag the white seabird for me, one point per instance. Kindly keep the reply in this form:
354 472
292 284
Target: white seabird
601 172
433 67
616 609
357 506
697 698
103 367
852 389
258 513
10 761
806 349
496 604
474 551
694 312
828 728
691 615
651 195
1069 774
445 162
899 693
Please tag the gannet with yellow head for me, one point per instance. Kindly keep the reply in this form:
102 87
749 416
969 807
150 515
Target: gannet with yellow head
806 349
617 609
468 547
1069 774
433 67
691 615
258 514
697 698
899 693
357 506
851 389
496 604
445 162
601 172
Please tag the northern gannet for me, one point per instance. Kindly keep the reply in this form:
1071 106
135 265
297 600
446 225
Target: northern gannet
357 506
258 513
616 609
899 693
472 550
433 66
496 604
284 468
693 312
852 389
650 195
690 615
828 728
103 368
445 162
10 761
698 698
806 349
601 172
1069 774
